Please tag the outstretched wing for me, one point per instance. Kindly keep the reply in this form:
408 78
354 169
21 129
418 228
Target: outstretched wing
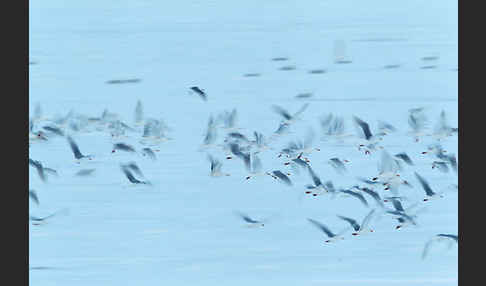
351 221
74 148
322 227
364 126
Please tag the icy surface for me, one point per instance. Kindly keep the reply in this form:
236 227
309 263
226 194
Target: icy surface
182 230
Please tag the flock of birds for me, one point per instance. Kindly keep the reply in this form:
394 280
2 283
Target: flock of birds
383 189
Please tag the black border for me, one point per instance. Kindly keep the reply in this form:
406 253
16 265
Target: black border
15 88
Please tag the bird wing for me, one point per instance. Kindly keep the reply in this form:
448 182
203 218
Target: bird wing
282 112
387 163
138 111
315 178
256 164
325 121
426 249
322 227
397 204
405 158
129 175
374 195
367 219
425 185
245 217
364 126
283 177
356 195
351 221
33 196
74 148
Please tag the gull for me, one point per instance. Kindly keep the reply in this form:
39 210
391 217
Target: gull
200 92
250 222
299 146
417 122
428 191
75 149
443 161
333 127
318 187
40 169
42 220
277 174
138 113
211 135
296 163
123 147
338 165
260 142
33 196
116 129
154 131
229 120
387 168
332 237
393 183
85 172
403 218
123 81
364 224
388 173
370 140
435 151
148 152
282 129
216 167
130 177
287 117
236 150
449 238
254 167
401 214
37 136
442 129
